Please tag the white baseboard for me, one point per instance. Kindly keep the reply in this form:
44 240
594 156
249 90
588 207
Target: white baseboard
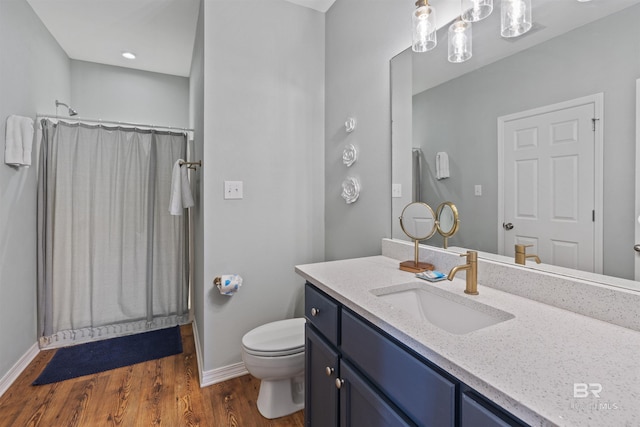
17 369
198 349
218 375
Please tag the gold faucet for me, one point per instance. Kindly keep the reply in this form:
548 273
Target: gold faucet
521 255
472 272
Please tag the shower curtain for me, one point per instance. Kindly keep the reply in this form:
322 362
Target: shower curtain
111 259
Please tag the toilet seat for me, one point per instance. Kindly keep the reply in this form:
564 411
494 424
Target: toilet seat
280 338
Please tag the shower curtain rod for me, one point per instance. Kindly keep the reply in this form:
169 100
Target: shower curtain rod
110 122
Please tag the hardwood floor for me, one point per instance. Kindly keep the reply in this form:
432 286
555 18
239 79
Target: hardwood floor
163 392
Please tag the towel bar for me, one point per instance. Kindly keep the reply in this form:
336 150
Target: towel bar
192 165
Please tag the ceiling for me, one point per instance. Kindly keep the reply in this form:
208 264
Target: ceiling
319 5
160 32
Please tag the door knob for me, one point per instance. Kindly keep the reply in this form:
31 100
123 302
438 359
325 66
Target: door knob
507 226
328 370
339 383
636 248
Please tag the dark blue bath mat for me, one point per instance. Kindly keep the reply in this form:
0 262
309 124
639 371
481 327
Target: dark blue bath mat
99 356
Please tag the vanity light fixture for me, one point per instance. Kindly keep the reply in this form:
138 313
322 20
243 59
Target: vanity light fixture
476 10
515 17
515 21
459 46
129 55
423 21
459 41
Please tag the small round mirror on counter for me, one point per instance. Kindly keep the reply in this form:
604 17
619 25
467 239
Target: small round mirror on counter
419 223
447 220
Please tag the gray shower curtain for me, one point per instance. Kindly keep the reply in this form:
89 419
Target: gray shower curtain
111 259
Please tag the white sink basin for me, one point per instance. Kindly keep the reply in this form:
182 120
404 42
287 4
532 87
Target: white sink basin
453 313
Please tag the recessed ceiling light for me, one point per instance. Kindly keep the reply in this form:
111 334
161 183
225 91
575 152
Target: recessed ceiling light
129 55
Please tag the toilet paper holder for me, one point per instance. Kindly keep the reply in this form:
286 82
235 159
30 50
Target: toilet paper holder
228 284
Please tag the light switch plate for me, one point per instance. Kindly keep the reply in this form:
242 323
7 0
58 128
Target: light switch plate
478 190
396 190
233 190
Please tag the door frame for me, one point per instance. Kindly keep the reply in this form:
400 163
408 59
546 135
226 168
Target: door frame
598 101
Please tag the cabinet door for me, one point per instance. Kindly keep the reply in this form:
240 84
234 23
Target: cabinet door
477 413
427 397
321 369
361 405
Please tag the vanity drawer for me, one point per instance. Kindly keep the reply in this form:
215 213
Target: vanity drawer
322 312
424 395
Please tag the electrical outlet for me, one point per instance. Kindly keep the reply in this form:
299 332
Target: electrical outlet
478 190
233 190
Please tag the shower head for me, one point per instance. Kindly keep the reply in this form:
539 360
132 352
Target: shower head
72 112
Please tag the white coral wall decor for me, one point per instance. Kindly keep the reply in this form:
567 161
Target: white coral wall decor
350 124
349 155
350 189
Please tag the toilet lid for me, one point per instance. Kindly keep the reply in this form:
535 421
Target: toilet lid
276 337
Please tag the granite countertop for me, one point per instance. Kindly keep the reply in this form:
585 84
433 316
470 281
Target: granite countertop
528 365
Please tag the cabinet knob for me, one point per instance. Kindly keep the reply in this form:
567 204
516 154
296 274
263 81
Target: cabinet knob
315 311
328 370
339 383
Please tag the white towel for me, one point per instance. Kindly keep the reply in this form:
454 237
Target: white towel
181 197
18 141
442 165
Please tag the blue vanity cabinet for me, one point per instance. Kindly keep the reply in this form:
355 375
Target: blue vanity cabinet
337 393
321 370
321 359
357 375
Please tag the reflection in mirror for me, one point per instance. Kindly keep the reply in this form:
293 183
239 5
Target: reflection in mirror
447 220
455 108
419 223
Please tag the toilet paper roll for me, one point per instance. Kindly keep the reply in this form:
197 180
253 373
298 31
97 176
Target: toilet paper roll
229 284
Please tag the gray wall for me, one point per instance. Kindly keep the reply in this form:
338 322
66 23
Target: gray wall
34 72
196 122
263 103
361 38
122 94
589 60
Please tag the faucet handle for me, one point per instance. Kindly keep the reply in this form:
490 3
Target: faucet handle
470 255
522 248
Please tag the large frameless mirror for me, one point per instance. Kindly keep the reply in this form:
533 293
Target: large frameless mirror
455 108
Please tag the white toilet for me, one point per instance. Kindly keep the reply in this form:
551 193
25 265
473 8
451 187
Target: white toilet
274 353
